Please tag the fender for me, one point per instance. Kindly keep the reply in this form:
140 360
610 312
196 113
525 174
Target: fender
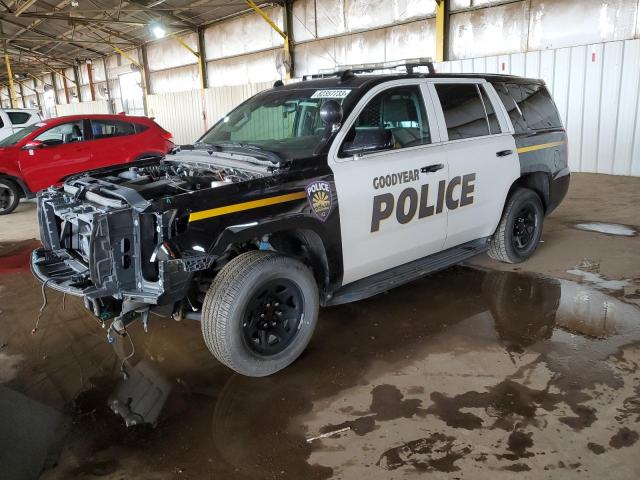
331 244
23 186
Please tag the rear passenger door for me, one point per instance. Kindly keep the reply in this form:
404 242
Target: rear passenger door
390 212
113 142
481 153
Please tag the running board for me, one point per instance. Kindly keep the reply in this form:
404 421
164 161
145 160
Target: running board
394 277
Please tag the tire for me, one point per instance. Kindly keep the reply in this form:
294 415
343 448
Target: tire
9 196
507 244
254 284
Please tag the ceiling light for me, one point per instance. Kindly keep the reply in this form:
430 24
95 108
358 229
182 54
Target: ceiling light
74 3
157 30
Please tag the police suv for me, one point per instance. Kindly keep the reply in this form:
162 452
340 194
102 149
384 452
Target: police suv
315 193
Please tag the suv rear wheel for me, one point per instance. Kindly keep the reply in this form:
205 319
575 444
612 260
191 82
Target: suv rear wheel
520 227
9 196
260 312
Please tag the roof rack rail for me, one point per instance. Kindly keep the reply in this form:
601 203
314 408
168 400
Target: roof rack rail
345 72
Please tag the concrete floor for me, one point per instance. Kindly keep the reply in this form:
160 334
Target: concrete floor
477 372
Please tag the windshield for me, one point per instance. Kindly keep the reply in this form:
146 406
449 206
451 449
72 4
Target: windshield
285 122
14 138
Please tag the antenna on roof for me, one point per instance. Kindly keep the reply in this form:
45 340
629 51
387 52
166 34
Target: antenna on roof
346 75
278 83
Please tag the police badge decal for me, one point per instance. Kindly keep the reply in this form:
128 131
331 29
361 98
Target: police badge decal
320 200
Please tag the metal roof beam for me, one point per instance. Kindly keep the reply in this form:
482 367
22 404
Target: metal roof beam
88 20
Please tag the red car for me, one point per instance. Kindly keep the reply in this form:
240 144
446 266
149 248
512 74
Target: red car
43 154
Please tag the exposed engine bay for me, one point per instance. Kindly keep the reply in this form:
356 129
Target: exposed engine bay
183 172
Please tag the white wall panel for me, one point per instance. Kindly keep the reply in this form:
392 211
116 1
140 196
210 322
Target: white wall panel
609 104
501 29
252 68
555 24
330 17
628 114
83 108
168 53
304 20
244 34
175 80
181 113
597 91
591 121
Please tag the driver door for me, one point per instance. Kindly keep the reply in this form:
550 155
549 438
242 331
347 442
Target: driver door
388 167
62 151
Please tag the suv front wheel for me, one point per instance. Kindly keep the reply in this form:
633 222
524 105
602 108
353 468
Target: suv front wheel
520 228
260 312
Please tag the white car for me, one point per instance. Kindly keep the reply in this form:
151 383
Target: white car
14 119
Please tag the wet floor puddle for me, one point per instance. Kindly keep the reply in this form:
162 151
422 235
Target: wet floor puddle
467 371
614 229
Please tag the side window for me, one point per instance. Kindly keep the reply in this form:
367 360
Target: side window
63 133
140 127
395 118
1 122
510 104
537 107
111 128
494 126
18 118
463 110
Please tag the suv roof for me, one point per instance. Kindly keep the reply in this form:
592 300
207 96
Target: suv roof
345 79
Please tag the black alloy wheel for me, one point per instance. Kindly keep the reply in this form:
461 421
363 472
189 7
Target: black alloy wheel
524 227
272 318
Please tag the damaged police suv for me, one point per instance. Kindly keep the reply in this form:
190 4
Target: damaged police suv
312 194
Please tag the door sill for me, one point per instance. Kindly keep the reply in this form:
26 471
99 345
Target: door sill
394 277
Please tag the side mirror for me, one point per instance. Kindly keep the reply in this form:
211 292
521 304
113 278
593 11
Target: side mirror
366 141
331 112
34 145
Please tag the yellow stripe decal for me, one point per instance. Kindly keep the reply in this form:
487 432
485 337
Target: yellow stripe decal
533 148
239 207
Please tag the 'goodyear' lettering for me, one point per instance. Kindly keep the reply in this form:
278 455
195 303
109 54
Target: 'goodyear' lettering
411 202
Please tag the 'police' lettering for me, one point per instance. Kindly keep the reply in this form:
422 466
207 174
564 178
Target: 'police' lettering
409 201
382 208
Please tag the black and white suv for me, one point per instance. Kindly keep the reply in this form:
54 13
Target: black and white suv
311 194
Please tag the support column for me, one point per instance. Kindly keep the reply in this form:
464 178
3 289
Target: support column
76 77
12 89
92 87
202 64
55 88
106 77
442 30
24 104
66 87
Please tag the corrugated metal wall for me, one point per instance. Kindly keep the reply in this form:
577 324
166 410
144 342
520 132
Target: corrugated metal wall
596 88
83 108
189 114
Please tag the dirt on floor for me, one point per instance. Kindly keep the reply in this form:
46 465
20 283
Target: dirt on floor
480 371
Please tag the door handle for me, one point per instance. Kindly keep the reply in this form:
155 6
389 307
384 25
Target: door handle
504 153
432 168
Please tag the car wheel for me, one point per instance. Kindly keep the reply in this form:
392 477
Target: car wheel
9 196
260 312
520 228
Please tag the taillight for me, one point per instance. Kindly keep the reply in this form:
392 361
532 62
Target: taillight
166 135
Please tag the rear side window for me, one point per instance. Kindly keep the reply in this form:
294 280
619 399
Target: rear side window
509 102
140 127
111 128
464 112
535 109
18 118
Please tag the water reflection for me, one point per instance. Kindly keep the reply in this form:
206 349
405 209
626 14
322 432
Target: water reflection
236 426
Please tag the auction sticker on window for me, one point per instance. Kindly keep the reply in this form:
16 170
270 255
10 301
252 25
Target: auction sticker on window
331 93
